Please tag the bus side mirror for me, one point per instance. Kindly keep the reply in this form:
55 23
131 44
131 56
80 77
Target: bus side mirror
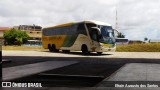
96 28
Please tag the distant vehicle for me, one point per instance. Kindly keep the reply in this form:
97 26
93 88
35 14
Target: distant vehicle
121 41
33 43
85 36
154 41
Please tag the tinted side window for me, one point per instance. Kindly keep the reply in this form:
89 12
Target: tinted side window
46 32
56 31
72 29
81 29
94 35
89 27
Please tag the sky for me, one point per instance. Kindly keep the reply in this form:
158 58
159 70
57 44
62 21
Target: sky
137 19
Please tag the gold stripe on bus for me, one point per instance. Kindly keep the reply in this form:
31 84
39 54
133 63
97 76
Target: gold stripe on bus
105 44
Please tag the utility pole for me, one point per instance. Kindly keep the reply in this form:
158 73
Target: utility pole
116 26
34 26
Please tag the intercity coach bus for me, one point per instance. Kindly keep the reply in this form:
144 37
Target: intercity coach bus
85 36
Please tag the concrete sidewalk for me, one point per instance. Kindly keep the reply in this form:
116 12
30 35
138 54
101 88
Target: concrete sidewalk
148 55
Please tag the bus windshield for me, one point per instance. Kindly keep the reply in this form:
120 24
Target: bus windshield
107 34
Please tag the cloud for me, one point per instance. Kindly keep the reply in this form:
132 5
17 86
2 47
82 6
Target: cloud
135 17
139 19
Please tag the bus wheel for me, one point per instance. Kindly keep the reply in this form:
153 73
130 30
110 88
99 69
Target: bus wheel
50 48
99 53
84 50
66 51
54 48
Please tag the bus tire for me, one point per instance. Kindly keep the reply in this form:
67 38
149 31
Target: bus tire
84 50
50 48
99 53
66 51
54 48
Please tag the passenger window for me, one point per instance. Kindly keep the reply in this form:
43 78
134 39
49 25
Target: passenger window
94 35
81 29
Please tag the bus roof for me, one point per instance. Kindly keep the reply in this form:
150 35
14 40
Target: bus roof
87 21
97 22
60 25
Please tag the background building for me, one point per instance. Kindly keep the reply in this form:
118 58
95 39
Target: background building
34 32
135 42
2 30
122 41
154 41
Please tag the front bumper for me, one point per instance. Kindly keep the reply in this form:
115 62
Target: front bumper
107 49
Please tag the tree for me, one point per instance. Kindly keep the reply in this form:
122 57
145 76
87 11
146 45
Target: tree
145 39
15 37
120 35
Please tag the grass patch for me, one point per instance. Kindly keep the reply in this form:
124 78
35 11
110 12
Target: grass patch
147 47
27 48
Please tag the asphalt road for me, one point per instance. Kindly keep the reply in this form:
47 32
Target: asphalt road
90 65
82 68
